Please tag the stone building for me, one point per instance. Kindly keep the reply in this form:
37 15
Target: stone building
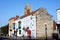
43 22
43 18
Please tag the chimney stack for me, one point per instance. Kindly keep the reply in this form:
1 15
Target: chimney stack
27 9
16 17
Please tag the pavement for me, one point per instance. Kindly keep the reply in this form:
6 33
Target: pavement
17 38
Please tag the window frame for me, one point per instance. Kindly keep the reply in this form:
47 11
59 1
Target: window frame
19 25
13 25
20 31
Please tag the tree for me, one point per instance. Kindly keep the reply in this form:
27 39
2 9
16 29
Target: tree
4 30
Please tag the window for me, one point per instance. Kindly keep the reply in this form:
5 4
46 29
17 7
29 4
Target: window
19 31
19 25
31 18
32 25
13 25
32 22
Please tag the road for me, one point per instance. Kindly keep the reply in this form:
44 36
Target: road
11 38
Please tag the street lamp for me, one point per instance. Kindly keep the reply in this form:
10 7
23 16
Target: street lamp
46 30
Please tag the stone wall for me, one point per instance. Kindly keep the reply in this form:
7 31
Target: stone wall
43 17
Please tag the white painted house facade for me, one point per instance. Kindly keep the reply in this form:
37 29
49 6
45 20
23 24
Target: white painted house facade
39 22
29 21
58 16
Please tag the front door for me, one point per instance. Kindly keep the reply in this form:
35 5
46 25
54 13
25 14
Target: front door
15 33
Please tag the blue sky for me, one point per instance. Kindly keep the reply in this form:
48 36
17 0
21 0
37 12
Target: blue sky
10 8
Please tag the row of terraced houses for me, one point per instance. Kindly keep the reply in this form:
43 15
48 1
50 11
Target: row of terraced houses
38 23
